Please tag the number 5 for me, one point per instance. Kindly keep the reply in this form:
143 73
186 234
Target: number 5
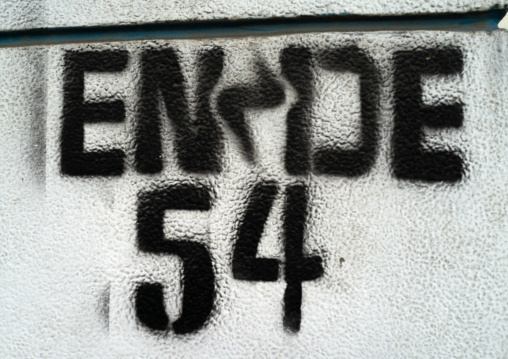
198 275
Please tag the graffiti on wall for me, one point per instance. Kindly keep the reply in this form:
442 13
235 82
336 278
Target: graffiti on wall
199 138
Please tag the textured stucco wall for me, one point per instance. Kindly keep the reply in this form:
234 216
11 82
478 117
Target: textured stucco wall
413 256
411 268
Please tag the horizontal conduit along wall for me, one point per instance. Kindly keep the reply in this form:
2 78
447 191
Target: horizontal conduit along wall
475 21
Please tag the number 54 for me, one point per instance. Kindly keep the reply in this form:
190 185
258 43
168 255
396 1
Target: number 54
198 275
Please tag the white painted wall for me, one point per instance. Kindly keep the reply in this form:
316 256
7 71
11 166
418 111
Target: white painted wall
426 265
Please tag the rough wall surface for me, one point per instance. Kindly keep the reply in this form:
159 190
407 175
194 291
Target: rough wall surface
318 195
26 14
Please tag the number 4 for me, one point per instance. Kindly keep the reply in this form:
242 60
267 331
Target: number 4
298 268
